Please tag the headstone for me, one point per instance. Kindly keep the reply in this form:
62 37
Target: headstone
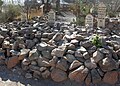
101 15
51 17
89 20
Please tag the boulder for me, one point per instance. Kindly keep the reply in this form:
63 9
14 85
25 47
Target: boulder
23 53
97 56
74 41
33 54
58 75
95 76
42 46
70 58
88 80
108 64
29 44
71 47
43 62
78 54
90 64
6 44
82 49
42 69
86 44
111 77
12 62
46 74
46 54
2 56
59 52
75 64
53 61
58 36
86 55
1 39
70 52
79 74
62 64
25 61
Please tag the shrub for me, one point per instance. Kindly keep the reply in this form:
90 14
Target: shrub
10 13
96 41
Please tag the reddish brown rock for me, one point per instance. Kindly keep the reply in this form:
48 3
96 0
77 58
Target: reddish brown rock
88 80
111 77
12 62
79 74
58 75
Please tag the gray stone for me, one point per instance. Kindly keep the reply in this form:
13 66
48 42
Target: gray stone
25 62
1 39
78 54
92 49
33 54
86 55
29 44
53 61
43 62
42 69
6 44
23 53
70 58
14 53
59 52
74 41
86 44
46 54
28 75
70 52
2 56
108 64
57 36
71 47
33 63
42 46
97 56
103 50
79 37
95 76
62 64
75 64
46 74
37 74
33 68
82 49
118 52
90 64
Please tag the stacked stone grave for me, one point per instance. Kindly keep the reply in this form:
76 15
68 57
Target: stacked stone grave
60 54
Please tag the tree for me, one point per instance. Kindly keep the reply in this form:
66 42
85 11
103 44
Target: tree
58 6
112 5
1 3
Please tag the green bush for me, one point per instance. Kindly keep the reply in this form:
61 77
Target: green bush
10 13
96 41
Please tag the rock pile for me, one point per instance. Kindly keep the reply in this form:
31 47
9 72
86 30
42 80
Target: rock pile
44 51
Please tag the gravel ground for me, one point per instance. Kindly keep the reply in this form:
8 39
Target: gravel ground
15 77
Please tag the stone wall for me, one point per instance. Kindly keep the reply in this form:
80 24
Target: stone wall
44 51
